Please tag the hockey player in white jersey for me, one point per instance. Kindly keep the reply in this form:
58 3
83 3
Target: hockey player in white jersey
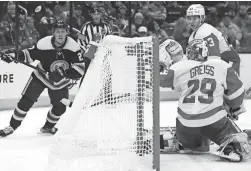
205 82
218 45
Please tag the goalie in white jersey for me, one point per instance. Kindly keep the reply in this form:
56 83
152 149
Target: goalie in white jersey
205 82
217 44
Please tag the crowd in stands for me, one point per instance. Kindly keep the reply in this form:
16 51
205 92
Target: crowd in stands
162 19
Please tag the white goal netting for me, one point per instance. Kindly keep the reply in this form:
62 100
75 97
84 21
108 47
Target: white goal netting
114 118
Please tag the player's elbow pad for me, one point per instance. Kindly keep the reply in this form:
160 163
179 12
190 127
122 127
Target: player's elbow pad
72 74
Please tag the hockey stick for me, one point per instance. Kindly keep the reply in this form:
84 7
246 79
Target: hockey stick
22 62
248 91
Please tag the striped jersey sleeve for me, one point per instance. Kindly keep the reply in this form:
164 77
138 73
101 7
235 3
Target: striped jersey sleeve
83 31
235 91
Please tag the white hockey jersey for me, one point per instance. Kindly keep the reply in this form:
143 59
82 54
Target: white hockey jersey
217 43
204 86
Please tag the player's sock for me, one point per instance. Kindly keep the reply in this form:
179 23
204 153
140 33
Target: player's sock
51 120
17 118
6 131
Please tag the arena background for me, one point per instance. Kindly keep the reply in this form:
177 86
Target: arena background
13 77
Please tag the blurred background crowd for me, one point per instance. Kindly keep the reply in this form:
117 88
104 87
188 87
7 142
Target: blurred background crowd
163 19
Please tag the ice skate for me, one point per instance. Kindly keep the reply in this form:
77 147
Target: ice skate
228 154
6 131
51 131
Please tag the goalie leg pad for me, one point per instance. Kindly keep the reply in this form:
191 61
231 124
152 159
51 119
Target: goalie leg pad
238 142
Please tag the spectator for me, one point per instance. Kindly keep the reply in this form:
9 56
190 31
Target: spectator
174 11
33 33
234 32
142 31
2 37
42 21
246 31
212 18
62 9
138 20
156 31
239 19
222 28
122 10
155 12
121 24
78 20
9 22
182 32
23 38
233 7
10 16
115 29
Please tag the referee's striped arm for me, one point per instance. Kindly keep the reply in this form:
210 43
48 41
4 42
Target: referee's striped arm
88 30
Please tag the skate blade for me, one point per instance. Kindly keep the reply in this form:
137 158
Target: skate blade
44 133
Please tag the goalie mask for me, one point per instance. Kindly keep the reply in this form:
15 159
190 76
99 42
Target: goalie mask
197 50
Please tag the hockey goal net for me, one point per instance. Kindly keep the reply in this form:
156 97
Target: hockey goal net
113 124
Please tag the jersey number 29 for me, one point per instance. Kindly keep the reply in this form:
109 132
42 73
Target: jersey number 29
206 91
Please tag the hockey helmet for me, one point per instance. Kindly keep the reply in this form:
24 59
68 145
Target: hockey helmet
197 50
59 23
196 10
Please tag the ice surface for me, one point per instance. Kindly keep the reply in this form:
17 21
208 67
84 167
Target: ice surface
26 150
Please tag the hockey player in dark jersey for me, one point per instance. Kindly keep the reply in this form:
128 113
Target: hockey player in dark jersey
62 60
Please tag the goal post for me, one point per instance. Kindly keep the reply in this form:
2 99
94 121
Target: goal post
113 123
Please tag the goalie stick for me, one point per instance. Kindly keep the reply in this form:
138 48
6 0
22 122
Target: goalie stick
248 91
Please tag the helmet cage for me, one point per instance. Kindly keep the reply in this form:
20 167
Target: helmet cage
197 50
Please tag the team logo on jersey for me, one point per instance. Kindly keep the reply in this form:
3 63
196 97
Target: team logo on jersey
59 64
59 55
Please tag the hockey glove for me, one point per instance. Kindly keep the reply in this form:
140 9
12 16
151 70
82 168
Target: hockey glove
234 113
7 55
57 75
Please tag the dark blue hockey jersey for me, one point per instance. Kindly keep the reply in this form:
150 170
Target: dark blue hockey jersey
68 56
